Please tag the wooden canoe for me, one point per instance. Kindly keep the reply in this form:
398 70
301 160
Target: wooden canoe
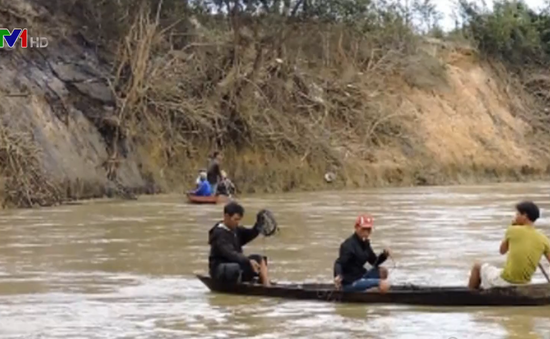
214 199
528 295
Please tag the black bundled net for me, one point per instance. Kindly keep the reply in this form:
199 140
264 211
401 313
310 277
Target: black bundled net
266 223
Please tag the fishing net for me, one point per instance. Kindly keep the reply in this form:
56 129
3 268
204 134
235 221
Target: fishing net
265 221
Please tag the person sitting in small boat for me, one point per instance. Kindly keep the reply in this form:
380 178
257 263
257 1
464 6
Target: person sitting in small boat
202 173
226 238
349 271
225 187
524 245
204 189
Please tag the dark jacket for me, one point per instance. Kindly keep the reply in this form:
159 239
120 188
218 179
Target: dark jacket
354 254
226 245
213 172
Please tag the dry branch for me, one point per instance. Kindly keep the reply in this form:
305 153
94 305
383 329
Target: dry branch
25 184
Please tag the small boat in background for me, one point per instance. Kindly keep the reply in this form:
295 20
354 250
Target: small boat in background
528 295
213 199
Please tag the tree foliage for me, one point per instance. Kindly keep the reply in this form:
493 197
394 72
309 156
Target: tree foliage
110 20
511 31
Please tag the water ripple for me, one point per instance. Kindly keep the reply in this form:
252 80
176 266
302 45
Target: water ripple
126 269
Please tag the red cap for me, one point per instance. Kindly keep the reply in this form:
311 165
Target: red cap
364 221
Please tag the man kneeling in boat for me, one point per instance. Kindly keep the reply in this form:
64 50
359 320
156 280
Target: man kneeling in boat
349 271
225 187
226 239
524 244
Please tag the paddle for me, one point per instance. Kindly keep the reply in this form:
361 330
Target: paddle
544 272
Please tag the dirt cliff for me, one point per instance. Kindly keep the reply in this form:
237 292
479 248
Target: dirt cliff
82 121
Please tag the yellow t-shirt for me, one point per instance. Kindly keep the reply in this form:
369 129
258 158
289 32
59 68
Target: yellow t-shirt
526 245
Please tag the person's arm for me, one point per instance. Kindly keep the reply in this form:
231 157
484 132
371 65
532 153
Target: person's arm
246 235
194 192
218 171
382 257
373 259
345 254
505 244
223 244
547 249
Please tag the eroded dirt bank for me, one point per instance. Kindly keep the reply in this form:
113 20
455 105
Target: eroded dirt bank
83 118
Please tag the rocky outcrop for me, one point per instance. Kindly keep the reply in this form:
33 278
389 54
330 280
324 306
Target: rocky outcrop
60 97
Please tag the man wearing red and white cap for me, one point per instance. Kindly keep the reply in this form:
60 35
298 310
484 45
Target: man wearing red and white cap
349 271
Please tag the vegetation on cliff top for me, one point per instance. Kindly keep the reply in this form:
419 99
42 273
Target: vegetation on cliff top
519 37
283 85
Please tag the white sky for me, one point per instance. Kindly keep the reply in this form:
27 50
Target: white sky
447 6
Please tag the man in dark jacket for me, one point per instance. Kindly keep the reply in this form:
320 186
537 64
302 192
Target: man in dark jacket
227 261
349 271
213 171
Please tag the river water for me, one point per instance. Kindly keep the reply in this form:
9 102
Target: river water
111 269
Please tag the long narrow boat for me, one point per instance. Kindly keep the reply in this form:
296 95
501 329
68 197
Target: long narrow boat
528 295
214 199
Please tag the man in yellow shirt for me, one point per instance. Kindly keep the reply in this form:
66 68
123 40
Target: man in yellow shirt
525 246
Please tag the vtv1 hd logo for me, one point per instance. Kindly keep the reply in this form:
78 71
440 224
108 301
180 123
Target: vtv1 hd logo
9 39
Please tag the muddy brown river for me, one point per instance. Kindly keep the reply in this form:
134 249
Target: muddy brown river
126 269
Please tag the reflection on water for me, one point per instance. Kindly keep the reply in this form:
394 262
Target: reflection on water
125 269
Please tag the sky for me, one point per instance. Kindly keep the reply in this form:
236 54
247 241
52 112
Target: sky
446 7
